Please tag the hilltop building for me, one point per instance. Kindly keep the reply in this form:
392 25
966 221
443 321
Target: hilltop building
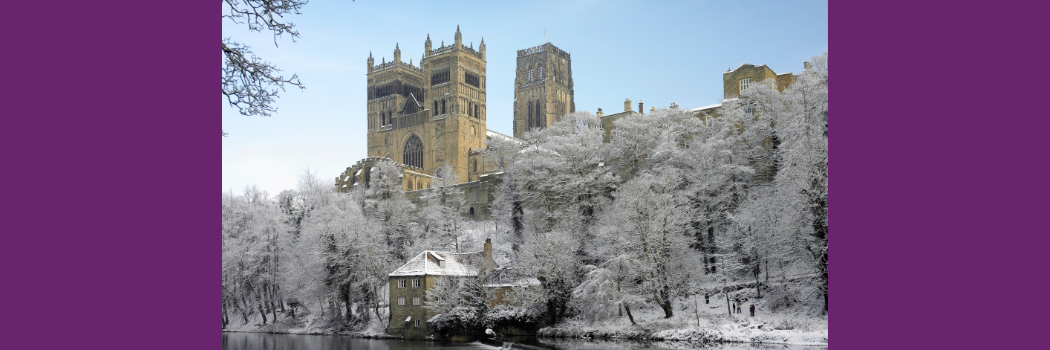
434 114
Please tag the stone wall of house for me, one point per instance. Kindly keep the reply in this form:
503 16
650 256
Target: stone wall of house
398 313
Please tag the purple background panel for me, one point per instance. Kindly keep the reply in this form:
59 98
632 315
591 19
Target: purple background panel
111 160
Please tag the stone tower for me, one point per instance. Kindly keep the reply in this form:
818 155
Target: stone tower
429 115
543 91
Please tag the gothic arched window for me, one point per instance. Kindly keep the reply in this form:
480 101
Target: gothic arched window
442 106
413 154
471 211
382 115
530 75
530 116
477 111
474 165
540 74
435 107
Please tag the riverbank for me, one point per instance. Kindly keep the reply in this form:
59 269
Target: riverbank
744 332
693 322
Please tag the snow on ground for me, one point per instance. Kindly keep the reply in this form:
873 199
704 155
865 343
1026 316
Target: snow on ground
798 325
312 323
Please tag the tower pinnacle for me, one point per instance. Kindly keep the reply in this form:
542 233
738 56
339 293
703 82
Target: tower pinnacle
459 37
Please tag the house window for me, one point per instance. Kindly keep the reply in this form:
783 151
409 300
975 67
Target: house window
401 284
415 301
401 301
418 324
415 283
744 83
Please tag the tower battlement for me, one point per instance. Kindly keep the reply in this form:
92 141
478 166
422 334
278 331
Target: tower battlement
543 88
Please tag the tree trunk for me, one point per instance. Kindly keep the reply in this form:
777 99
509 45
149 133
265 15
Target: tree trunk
664 300
758 284
261 311
225 315
629 316
347 304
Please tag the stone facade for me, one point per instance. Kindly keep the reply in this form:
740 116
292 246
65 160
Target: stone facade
429 115
733 80
543 90
415 327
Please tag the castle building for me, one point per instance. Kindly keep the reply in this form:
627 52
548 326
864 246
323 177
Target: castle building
543 90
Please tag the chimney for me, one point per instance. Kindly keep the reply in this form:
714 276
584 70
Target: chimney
640 110
599 112
627 105
488 249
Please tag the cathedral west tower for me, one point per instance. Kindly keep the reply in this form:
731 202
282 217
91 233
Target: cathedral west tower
432 114
543 90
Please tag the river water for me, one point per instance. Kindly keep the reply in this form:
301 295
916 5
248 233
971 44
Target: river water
264 341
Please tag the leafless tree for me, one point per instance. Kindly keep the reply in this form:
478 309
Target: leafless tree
248 82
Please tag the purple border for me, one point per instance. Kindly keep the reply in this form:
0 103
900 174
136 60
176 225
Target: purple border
933 155
107 151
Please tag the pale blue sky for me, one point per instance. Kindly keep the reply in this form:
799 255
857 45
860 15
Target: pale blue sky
655 51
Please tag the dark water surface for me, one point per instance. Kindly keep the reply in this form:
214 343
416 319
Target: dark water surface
264 341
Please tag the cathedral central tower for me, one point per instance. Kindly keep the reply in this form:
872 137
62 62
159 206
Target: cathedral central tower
543 91
429 115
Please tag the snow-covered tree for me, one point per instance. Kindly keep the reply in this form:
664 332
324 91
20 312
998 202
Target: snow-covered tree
608 289
445 202
649 220
550 257
389 206
799 200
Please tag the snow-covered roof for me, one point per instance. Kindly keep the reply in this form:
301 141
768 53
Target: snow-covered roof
704 107
456 264
496 134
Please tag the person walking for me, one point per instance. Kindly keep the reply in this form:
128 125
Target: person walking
752 310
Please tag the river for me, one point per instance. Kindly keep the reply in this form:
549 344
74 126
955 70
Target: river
265 341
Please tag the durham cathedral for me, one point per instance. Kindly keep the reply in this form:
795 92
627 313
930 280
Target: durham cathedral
424 116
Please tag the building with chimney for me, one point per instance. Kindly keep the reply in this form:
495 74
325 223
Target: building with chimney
409 283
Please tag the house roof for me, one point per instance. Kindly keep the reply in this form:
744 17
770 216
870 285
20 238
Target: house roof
456 264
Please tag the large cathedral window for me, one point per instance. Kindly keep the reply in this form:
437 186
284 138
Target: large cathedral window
413 154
